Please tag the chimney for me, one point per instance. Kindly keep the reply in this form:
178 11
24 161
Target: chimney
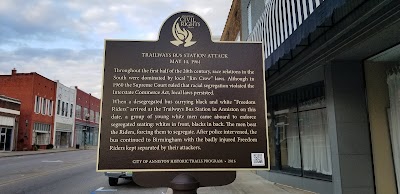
14 72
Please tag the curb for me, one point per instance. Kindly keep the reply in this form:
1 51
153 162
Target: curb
10 154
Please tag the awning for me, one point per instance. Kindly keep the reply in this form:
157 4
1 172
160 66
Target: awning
284 24
7 121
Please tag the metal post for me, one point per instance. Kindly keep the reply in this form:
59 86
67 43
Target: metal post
87 116
84 138
184 184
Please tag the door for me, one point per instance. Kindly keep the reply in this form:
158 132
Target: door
8 139
2 141
5 139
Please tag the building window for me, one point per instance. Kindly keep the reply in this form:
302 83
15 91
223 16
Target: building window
37 104
58 107
78 113
249 24
85 113
66 109
393 81
42 138
41 135
287 138
97 117
51 108
91 116
62 109
315 144
382 75
298 132
43 101
40 127
47 106
72 108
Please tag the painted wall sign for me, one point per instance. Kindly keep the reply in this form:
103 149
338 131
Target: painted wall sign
183 102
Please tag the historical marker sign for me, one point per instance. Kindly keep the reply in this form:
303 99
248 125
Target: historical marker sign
183 102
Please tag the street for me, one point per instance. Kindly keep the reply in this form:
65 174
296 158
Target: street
63 172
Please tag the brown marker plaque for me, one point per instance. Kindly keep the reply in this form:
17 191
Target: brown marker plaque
183 103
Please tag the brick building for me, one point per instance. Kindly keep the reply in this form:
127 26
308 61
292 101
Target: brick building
233 23
36 94
86 118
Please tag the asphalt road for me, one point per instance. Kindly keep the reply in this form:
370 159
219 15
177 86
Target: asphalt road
62 172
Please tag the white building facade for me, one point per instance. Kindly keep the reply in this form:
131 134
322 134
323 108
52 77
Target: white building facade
64 120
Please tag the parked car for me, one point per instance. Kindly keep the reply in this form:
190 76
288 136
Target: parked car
114 176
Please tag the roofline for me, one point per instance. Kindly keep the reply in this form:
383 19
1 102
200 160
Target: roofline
31 73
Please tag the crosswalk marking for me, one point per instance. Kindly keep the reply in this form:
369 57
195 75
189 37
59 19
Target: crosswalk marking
105 190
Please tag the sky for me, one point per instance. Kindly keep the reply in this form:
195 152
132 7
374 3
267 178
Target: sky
64 40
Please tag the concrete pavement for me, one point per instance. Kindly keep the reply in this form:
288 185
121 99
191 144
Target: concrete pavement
247 182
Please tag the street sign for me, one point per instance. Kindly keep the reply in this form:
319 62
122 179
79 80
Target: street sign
183 103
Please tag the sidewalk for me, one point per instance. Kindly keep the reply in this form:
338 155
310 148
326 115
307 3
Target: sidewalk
248 182
42 151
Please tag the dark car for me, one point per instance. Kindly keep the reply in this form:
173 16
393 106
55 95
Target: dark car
114 176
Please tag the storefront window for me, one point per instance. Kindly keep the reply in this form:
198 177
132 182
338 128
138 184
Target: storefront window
315 142
382 75
284 133
393 81
289 141
299 140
